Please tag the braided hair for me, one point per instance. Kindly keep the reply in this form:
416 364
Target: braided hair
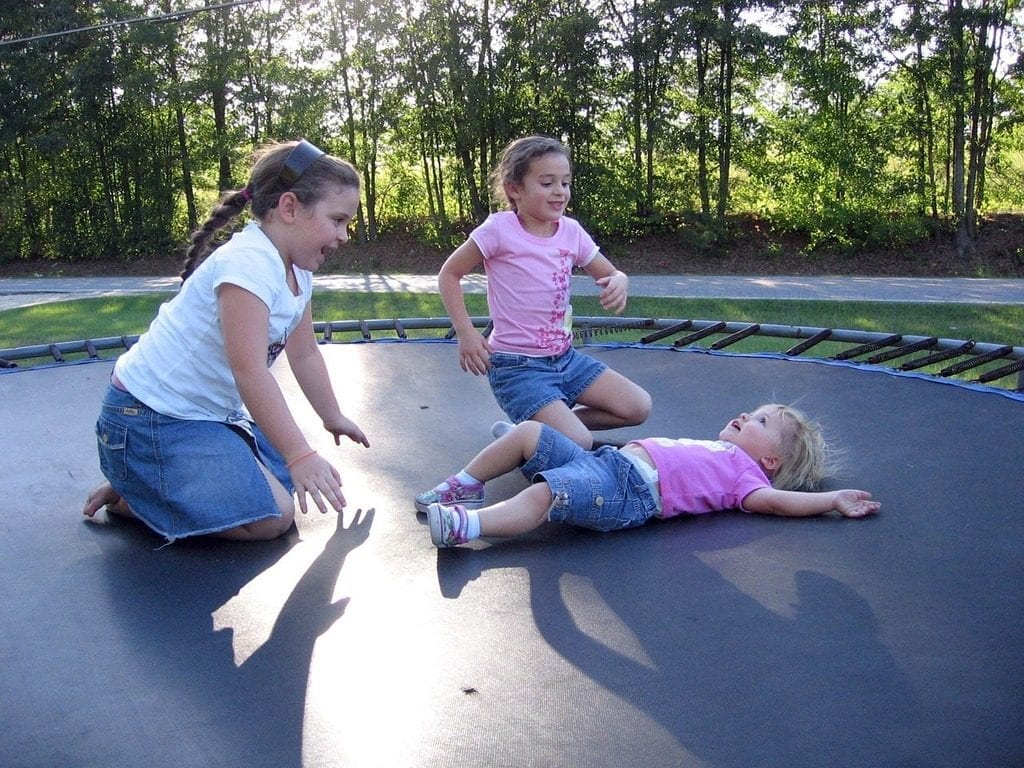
273 173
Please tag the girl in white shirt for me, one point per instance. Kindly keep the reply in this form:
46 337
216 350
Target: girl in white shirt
194 435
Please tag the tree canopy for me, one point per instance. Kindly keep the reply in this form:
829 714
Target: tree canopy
861 122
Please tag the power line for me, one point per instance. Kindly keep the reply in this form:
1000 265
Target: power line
173 16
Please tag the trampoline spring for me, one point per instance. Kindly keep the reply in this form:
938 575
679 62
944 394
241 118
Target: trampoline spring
485 332
328 329
58 356
673 329
732 338
974 362
803 346
906 349
587 330
998 373
364 329
128 341
7 363
399 329
863 349
937 357
90 348
698 335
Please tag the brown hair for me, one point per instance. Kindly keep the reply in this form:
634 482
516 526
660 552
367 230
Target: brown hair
268 180
515 160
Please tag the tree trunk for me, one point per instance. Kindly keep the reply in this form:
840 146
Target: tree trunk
725 83
963 241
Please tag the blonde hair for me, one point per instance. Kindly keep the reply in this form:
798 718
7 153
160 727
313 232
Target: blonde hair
806 458
268 180
514 163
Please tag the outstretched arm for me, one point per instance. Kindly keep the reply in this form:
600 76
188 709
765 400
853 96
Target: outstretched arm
310 370
772 501
474 351
244 320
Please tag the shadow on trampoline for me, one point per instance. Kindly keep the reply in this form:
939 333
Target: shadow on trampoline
186 672
723 640
738 685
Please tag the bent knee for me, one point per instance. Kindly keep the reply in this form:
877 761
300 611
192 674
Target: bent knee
272 527
528 430
636 409
269 527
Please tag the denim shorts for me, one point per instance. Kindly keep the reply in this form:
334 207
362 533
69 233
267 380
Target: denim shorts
185 477
599 489
523 385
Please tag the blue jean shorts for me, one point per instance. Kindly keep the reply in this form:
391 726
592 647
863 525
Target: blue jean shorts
599 489
185 477
523 385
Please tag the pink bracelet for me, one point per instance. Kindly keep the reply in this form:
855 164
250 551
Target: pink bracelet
297 459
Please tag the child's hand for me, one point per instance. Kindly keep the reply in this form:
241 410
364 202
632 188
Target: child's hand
314 475
348 428
851 503
474 354
614 292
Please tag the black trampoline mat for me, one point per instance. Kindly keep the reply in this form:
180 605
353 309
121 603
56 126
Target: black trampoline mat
724 640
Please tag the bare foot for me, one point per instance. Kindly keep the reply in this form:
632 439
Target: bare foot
102 496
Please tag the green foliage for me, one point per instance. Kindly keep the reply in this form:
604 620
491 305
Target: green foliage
834 121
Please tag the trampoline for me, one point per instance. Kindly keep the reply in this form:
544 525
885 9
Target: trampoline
718 641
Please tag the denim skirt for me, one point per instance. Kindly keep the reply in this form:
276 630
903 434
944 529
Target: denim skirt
185 477
523 385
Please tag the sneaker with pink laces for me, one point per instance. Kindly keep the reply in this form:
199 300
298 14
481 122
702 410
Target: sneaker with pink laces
469 496
448 525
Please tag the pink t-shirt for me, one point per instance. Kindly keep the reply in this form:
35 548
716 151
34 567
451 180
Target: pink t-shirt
698 476
528 282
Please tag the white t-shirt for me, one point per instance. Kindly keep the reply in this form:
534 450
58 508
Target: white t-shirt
179 367
529 282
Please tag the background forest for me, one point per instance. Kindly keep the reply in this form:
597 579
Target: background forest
859 124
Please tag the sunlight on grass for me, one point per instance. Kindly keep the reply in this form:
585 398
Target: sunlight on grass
80 319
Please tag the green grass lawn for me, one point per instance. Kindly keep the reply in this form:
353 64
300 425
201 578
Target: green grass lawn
130 315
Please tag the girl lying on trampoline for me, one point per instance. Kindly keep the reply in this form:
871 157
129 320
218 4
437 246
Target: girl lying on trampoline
768 462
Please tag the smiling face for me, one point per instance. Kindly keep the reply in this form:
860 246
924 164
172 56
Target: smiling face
541 197
760 434
323 226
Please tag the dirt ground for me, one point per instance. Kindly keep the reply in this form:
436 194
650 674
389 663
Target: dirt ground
754 250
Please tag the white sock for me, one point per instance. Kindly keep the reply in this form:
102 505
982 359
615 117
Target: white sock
462 476
466 479
472 524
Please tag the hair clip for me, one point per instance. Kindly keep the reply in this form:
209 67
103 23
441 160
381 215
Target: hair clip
303 155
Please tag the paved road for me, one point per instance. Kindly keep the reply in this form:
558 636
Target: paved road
16 292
